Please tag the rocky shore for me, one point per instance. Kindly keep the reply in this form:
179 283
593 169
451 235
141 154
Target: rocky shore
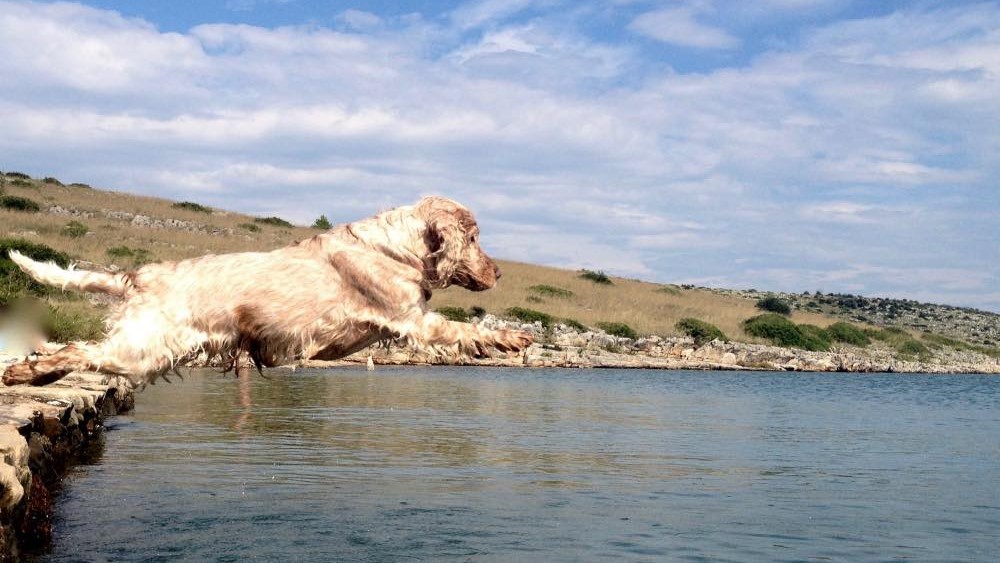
562 346
42 431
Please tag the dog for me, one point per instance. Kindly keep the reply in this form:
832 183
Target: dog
322 298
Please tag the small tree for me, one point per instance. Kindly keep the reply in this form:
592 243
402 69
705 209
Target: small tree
774 305
322 223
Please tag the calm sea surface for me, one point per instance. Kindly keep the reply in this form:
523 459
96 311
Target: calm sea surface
460 464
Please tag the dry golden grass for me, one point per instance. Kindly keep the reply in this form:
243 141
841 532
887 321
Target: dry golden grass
647 307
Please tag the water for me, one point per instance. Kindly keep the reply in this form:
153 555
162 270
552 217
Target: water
460 464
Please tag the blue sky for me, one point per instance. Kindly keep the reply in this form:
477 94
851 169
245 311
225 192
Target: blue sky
797 145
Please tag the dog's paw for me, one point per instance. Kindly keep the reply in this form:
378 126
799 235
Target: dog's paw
18 374
513 340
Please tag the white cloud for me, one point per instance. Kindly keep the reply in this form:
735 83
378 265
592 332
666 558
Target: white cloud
621 163
680 26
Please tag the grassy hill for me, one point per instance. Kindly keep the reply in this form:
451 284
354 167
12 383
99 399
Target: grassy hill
125 230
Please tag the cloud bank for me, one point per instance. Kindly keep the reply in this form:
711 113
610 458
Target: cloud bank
675 142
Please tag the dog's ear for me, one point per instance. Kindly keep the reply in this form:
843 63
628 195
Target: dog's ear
445 239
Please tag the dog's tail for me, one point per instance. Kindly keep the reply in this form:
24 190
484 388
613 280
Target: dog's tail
50 273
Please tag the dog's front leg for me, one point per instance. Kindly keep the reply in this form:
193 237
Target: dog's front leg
433 330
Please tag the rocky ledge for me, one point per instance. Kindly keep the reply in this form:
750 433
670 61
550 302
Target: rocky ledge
42 431
562 346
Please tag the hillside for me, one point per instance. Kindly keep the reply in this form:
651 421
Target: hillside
123 230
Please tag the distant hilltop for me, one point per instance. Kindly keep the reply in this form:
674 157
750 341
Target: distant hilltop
75 222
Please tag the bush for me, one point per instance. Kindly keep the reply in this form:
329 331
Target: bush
250 227
14 282
848 334
136 256
192 206
322 223
618 329
596 277
273 221
669 289
80 185
551 291
74 229
21 183
17 203
477 311
701 331
65 325
575 325
456 314
529 316
774 305
912 348
20 175
51 180
814 338
783 332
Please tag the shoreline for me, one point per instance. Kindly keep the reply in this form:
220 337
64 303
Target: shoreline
43 431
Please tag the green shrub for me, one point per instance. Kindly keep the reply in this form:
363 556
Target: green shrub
250 227
20 175
192 206
534 299
814 338
273 221
136 256
74 229
51 180
80 185
596 277
14 282
21 183
912 348
17 203
701 331
774 305
618 329
848 334
551 291
783 332
575 325
477 311
62 325
529 316
456 314
322 223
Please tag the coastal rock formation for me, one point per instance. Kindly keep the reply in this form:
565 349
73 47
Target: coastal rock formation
42 429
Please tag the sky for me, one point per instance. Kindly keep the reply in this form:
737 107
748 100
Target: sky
841 146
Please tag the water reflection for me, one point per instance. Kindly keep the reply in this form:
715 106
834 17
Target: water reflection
481 464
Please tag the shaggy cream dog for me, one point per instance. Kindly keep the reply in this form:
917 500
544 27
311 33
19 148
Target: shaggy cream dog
322 298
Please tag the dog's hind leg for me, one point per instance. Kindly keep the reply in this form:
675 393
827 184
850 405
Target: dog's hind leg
74 357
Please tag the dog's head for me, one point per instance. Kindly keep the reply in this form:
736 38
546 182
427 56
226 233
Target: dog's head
452 237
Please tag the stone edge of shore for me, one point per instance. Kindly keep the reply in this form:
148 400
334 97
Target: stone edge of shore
43 431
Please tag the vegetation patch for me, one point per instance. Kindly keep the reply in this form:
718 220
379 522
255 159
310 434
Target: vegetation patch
774 305
477 311
21 183
618 329
253 228
575 325
65 323
192 206
322 223
701 331
17 203
273 221
135 256
52 181
80 185
14 282
19 175
456 314
529 316
848 334
598 277
783 332
551 291
74 229
669 289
